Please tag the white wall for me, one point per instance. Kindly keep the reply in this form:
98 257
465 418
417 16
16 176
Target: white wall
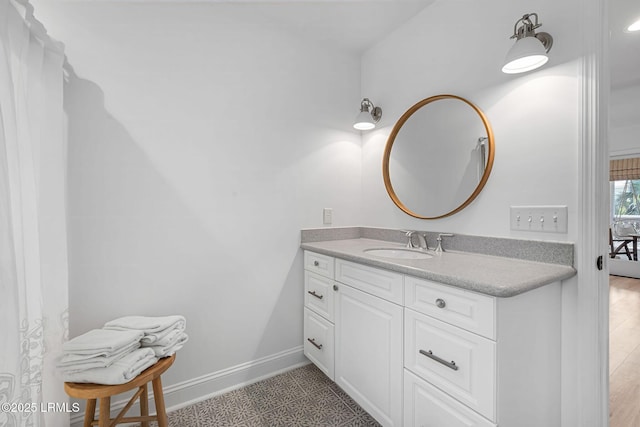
624 125
202 138
457 46
179 204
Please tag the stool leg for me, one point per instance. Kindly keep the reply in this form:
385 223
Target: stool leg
144 405
105 412
89 412
159 399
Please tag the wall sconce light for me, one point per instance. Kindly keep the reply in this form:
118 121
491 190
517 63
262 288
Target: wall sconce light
634 27
368 117
530 50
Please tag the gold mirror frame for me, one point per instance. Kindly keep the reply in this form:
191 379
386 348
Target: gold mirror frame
394 133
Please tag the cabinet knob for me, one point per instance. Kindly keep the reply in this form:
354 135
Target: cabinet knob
316 263
441 303
335 287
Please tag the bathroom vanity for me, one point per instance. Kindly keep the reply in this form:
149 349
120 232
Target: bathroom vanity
456 339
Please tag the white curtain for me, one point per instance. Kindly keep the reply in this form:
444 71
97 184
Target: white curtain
33 242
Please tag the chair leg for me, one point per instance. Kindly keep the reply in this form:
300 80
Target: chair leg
144 405
159 399
90 412
105 412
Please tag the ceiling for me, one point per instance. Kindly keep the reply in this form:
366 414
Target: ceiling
356 25
351 24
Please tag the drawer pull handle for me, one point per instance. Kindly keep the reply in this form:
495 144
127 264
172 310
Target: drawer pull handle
316 345
441 303
429 354
315 295
316 263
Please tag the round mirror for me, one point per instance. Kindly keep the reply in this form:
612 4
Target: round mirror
438 157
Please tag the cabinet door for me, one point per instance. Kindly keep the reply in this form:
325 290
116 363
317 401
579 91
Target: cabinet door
426 406
368 349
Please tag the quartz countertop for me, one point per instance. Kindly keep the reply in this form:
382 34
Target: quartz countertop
490 275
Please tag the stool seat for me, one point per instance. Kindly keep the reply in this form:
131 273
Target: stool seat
92 392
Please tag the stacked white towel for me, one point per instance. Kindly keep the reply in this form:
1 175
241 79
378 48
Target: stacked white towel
104 357
122 349
164 335
121 371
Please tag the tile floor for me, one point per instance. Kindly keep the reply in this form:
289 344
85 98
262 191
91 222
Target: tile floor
301 397
624 351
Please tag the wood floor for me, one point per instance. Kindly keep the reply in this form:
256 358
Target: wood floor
624 351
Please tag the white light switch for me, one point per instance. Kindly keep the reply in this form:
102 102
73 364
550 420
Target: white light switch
327 215
549 219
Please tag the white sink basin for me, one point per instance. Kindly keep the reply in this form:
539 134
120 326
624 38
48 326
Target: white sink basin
398 253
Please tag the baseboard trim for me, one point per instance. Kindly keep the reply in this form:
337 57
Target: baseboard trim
195 390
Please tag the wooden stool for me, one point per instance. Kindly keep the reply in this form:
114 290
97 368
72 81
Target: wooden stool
92 392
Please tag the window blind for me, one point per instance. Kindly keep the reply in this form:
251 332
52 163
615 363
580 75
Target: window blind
623 169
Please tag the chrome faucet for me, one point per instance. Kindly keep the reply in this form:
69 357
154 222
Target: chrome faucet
439 248
422 241
409 235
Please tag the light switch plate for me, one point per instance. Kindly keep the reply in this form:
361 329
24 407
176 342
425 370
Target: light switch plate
327 216
548 219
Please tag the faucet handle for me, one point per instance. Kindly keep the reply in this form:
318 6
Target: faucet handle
439 248
409 235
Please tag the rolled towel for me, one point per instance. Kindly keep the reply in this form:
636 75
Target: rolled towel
121 371
148 325
170 348
74 362
102 342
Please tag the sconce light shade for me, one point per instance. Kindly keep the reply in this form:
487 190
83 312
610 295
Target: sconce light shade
530 50
634 27
368 117
527 54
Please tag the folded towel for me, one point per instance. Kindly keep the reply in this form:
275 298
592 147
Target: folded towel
149 325
102 342
164 336
121 371
167 350
168 339
74 362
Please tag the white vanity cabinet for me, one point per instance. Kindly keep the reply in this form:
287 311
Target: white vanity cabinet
414 352
353 331
368 346
319 311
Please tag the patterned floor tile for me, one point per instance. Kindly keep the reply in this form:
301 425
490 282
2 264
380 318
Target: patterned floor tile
309 377
273 392
185 417
303 397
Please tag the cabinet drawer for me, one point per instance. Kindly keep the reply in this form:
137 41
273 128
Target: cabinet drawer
426 406
319 294
319 264
458 362
318 341
382 283
468 310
